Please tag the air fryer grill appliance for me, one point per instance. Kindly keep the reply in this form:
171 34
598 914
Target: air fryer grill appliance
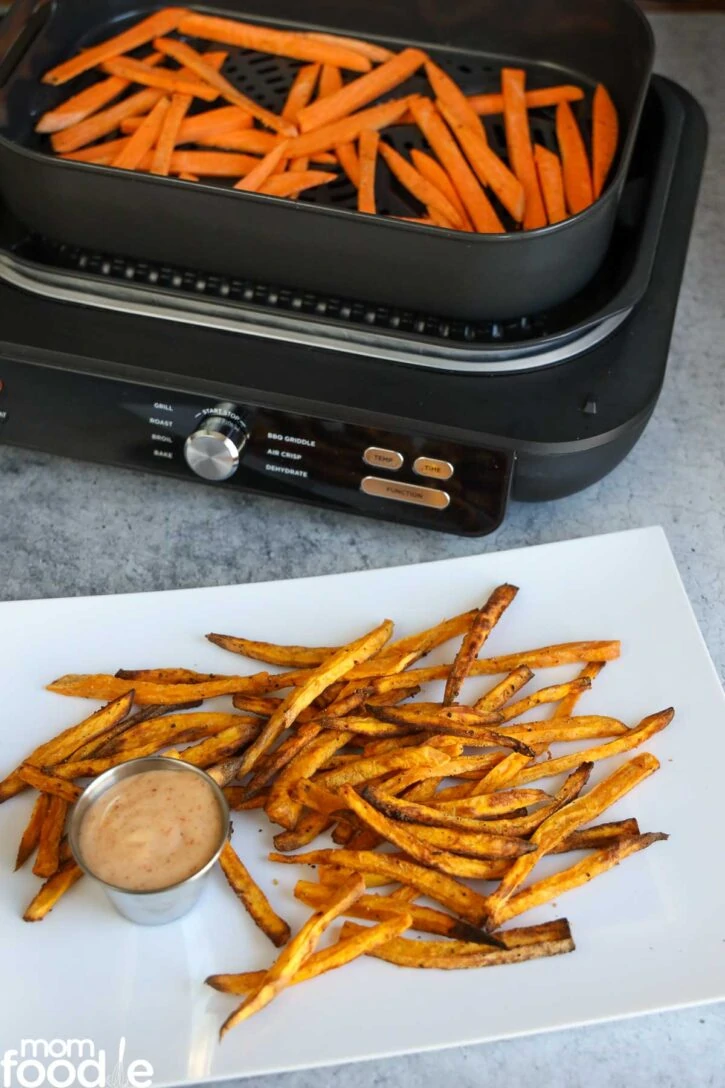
405 414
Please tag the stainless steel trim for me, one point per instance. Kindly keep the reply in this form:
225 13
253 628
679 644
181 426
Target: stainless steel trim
400 491
165 305
377 457
433 468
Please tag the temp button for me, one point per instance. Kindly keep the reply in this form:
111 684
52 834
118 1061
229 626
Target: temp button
402 492
433 468
378 457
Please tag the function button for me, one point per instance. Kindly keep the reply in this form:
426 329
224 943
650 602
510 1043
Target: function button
433 468
380 458
402 492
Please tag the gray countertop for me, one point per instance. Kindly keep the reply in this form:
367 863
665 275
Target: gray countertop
68 528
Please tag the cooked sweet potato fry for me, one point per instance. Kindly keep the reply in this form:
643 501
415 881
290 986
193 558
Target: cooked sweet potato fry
188 57
296 952
476 202
51 832
49 783
281 43
238 803
479 810
520 150
472 844
31 835
605 137
100 686
568 819
282 808
597 837
353 96
575 164
161 22
500 693
543 891
275 761
489 104
226 743
56 886
300 698
377 908
632 739
62 746
481 626
531 943
442 860
252 897
460 898
362 770
308 827
100 745
327 959
175 729
166 676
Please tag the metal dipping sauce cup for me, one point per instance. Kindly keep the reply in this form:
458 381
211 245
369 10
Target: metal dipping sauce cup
149 908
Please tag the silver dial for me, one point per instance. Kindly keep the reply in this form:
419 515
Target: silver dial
214 449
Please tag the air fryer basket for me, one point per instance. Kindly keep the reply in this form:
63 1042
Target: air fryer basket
320 242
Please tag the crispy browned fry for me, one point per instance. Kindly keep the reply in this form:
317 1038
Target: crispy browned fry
381 747
469 845
290 657
264 705
590 672
560 824
531 943
456 767
282 808
583 727
51 832
552 694
505 689
226 743
398 808
49 783
442 860
177 729
362 770
252 897
343 832
337 955
481 626
276 760
237 802
365 839
454 721
65 743
102 686
543 891
316 797
598 837
167 676
52 890
334 669
457 897
365 727
308 827
31 835
99 745
95 765
647 728
425 641
377 908
296 952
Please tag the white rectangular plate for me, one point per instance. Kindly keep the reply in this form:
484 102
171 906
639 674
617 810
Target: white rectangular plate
650 934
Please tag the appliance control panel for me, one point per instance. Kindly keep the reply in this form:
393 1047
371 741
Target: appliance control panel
397 475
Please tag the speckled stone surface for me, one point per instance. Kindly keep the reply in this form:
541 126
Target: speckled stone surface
68 528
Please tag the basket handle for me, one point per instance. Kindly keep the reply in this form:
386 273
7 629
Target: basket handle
17 26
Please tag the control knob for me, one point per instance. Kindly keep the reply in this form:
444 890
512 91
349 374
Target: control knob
214 449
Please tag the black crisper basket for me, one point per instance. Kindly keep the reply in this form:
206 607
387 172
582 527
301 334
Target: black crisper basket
320 242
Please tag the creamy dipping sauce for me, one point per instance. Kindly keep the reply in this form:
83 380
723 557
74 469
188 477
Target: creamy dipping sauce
151 830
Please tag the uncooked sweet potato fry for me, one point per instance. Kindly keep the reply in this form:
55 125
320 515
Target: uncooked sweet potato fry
437 176
256 177
264 39
76 109
353 96
574 161
348 128
161 22
489 104
105 122
422 189
136 71
301 91
131 156
552 183
489 168
518 140
376 53
368 150
605 136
